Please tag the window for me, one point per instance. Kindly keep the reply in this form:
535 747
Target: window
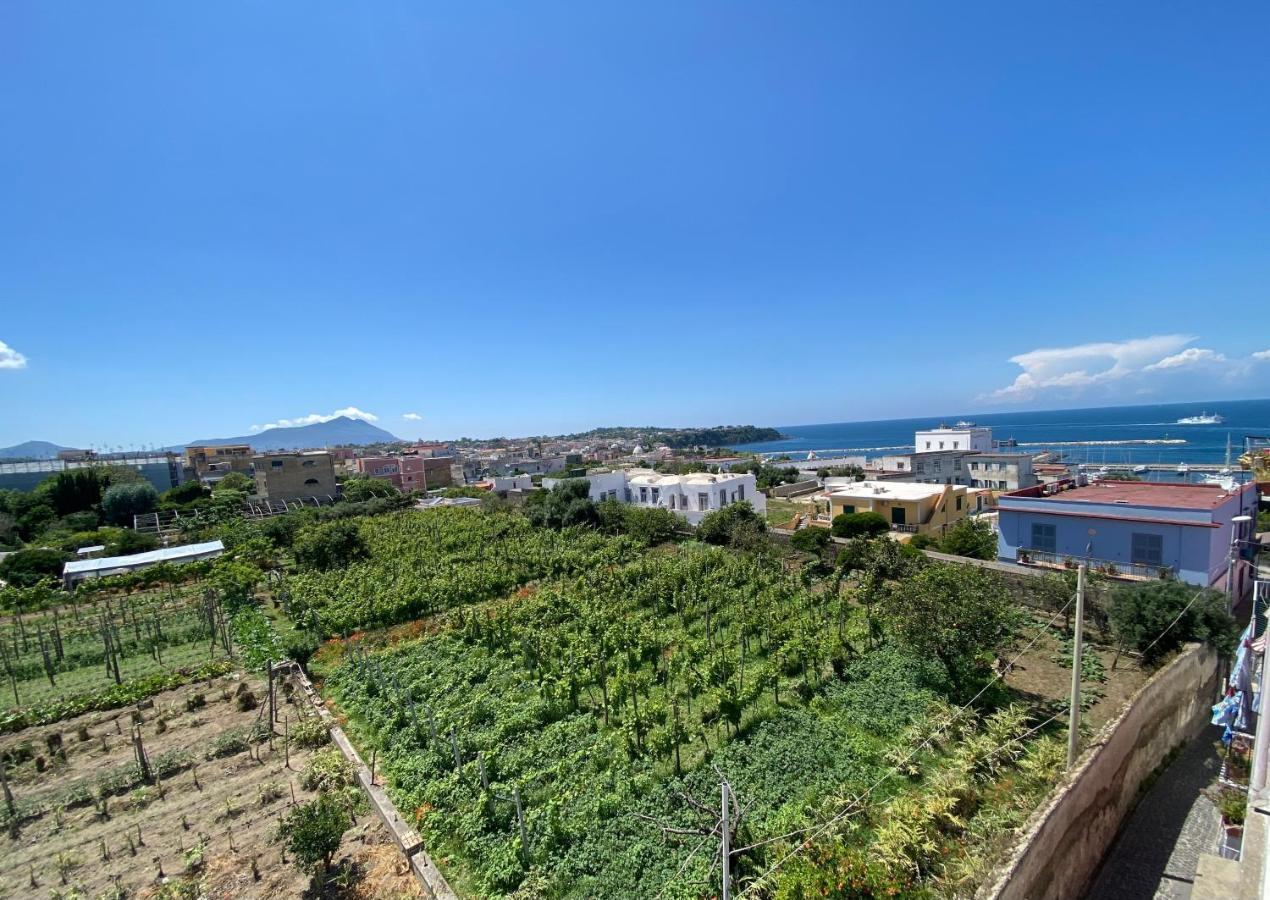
672 506
643 495
939 466
740 495
656 497
310 481
1044 538
959 507
847 509
309 463
927 447
628 500
1001 485
941 447
897 515
723 497
956 445
1147 549
975 467
277 464
703 502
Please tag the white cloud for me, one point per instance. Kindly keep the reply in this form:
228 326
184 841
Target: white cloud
412 417
1262 356
351 412
1086 364
10 358
1191 356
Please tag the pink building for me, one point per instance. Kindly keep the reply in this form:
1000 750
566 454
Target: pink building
408 473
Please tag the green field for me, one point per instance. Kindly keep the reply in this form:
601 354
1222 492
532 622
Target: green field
611 695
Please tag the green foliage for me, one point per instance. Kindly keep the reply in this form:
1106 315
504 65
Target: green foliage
860 524
958 614
566 505
313 831
855 472
811 539
648 525
26 568
327 770
768 476
1141 613
190 494
972 537
129 541
330 545
123 501
235 483
111 698
922 541
363 487
736 525
71 491
463 490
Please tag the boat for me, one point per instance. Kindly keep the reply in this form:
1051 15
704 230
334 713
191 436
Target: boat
1203 418
1138 470
1183 469
964 424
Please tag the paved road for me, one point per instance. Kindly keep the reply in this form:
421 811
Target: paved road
1159 846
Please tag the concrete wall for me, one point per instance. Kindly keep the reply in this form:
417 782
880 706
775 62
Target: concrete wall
406 838
1064 842
793 490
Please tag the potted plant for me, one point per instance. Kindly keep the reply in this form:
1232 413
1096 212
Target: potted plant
1023 556
1233 805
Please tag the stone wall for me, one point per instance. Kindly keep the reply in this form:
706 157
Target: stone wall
1064 842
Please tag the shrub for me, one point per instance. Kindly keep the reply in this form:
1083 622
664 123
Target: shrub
362 487
736 525
26 568
861 524
923 542
313 831
810 539
566 505
971 537
1141 613
123 501
309 733
327 771
329 545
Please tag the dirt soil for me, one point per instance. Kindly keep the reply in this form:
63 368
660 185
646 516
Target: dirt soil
1038 675
146 845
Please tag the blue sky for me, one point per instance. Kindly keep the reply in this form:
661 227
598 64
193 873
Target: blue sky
522 218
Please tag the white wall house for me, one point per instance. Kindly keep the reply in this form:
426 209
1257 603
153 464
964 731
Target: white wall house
691 496
956 437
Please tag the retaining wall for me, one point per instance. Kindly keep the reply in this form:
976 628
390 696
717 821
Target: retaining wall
1064 842
405 837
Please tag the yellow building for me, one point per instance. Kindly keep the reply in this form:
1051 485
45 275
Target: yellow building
219 459
908 507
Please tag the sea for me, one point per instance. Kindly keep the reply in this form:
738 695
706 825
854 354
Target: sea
1111 436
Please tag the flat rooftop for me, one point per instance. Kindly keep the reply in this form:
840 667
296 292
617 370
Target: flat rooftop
891 490
1145 493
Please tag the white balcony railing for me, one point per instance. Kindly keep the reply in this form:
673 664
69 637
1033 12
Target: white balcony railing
1045 559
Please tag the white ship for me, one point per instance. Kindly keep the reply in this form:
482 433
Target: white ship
1202 419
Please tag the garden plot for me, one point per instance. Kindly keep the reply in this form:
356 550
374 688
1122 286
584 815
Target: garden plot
85 821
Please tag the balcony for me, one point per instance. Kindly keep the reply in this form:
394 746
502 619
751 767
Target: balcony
1043 559
905 529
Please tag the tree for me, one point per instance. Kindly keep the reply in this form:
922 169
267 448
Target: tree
861 524
191 493
71 491
1141 615
234 481
566 505
651 526
970 537
362 487
960 615
123 501
736 525
329 545
313 831
810 539
25 568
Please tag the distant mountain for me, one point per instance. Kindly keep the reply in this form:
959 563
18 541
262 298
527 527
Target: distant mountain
32 450
342 430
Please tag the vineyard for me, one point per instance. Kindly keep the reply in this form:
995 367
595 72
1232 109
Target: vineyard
426 563
565 742
82 647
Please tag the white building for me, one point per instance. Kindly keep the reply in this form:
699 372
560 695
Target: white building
962 436
690 496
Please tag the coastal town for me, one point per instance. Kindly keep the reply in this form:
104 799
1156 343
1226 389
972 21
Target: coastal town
251 553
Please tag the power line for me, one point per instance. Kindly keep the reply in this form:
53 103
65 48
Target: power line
853 804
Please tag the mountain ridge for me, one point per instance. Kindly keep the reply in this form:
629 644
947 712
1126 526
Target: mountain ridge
32 450
338 431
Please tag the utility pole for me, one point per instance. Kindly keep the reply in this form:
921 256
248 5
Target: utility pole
1078 637
725 831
